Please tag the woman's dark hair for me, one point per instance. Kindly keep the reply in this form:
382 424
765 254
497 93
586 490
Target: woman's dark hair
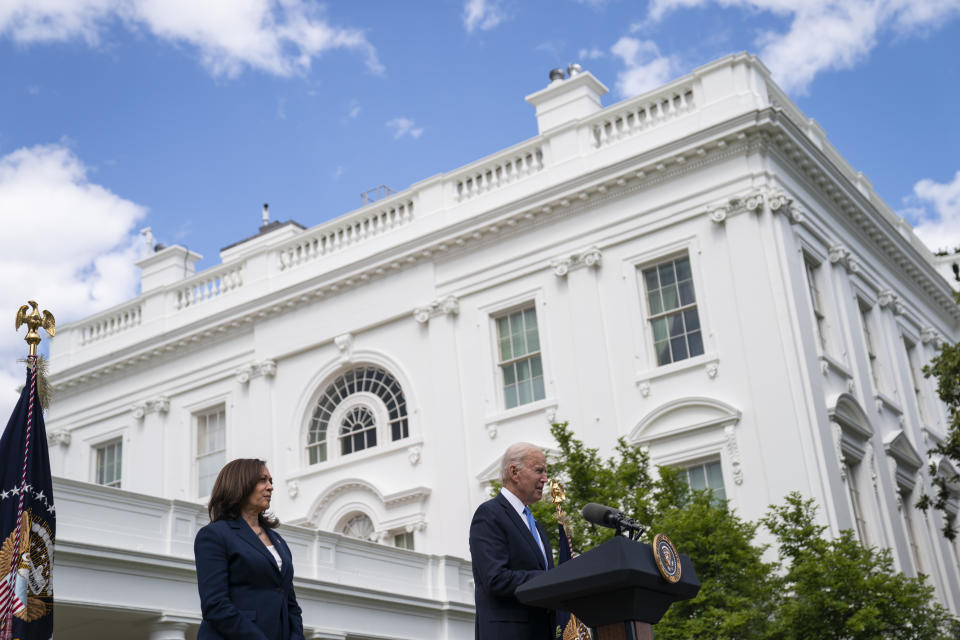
234 484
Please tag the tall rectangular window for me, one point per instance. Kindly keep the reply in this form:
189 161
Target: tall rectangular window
916 375
911 532
859 520
110 463
816 301
672 308
211 447
520 363
866 319
706 476
404 540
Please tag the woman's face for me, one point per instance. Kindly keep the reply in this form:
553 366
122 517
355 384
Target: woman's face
259 498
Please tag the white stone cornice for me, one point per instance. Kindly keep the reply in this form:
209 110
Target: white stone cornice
445 306
591 257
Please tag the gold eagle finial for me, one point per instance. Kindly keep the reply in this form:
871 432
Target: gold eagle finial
34 320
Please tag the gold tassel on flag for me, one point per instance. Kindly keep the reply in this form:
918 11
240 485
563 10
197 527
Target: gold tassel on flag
575 629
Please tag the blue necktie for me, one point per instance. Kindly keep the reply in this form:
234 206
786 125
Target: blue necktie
533 531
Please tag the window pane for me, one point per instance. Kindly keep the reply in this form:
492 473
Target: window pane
533 339
663 352
666 274
697 477
509 375
678 348
660 329
525 392
695 343
691 319
676 325
683 268
656 303
538 390
523 370
650 278
686 292
670 298
510 396
536 366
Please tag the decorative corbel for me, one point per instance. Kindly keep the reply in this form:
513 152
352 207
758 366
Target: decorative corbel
733 452
445 306
59 437
414 454
344 343
591 257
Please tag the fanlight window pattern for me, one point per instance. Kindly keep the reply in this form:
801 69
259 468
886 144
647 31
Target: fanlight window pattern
356 428
358 526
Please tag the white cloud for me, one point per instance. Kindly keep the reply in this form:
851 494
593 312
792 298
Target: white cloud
482 14
591 54
645 67
354 109
281 37
404 127
937 218
67 243
824 34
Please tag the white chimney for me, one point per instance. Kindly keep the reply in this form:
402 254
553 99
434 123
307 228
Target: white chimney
166 266
567 100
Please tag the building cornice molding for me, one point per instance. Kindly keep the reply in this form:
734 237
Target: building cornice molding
758 131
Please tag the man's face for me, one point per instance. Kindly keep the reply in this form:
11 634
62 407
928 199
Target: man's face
528 480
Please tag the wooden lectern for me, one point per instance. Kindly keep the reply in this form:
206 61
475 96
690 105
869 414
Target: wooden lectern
615 588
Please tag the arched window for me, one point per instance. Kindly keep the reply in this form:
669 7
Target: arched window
358 526
355 406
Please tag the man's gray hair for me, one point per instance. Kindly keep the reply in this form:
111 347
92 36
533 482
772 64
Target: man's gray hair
515 455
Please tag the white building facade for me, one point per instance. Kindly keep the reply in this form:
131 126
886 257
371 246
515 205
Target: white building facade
695 269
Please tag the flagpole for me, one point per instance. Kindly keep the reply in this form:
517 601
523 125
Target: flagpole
575 630
34 320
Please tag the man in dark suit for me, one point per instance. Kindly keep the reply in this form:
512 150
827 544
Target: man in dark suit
508 547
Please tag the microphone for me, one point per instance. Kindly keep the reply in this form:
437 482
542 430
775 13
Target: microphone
609 517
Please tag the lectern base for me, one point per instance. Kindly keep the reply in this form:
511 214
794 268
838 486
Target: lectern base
630 630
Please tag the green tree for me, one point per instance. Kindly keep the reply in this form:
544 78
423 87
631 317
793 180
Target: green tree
837 589
736 594
945 367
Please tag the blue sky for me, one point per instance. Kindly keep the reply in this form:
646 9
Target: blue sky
187 116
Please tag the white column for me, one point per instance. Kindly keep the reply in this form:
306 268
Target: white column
168 630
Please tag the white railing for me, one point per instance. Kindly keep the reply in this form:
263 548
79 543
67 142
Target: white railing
110 324
641 114
339 234
208 285
499 171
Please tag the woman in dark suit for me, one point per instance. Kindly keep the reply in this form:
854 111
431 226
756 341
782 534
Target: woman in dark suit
244 568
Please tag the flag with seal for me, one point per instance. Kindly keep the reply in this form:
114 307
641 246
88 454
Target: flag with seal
27 521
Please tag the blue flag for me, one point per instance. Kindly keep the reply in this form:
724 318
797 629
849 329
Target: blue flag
27 523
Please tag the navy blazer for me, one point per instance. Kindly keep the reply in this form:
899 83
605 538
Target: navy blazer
243 596
504 556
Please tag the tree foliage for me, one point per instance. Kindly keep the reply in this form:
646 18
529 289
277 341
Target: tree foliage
838 589
820 589
945 367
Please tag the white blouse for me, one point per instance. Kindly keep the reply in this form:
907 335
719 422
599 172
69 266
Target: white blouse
276 555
